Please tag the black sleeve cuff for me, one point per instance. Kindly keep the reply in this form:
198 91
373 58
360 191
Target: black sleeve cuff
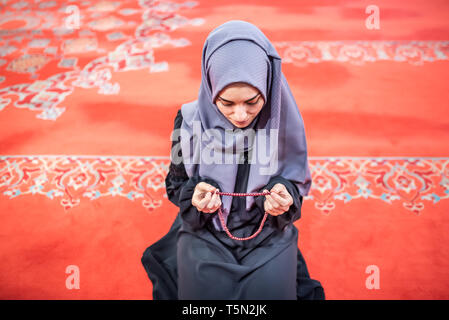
294 212
188 212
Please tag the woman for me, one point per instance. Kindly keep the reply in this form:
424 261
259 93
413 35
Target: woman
243 93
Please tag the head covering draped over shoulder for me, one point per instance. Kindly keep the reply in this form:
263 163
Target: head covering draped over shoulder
237 51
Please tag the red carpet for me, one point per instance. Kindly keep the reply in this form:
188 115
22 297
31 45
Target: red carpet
86 116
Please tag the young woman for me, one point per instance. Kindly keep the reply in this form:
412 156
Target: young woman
243 93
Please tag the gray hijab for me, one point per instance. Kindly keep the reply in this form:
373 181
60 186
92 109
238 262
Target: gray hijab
237 51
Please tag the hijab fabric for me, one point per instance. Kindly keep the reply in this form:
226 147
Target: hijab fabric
237 51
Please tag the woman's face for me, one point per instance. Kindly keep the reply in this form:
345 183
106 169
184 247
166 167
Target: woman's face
240 103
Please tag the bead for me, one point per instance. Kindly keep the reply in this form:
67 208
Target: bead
236 194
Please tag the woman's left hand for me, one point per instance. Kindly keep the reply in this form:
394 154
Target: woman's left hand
279 201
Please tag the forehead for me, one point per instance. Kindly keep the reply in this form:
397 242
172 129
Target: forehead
238 91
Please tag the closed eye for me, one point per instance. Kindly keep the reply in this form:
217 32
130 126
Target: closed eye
228 103
253 103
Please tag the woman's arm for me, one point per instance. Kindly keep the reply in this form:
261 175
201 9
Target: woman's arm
293 213
180 187
177 176
190 214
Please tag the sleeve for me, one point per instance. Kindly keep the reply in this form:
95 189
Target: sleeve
180 187
196 219
177 175
294 212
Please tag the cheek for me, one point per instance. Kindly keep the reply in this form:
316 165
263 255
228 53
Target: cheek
222 110
225 111
256 110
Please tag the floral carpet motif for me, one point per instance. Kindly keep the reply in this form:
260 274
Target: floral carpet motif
71 179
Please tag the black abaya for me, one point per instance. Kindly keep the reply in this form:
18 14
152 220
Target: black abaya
195 261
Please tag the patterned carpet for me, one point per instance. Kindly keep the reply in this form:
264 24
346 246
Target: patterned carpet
88 94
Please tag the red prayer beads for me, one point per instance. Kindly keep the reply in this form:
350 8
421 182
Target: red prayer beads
223 224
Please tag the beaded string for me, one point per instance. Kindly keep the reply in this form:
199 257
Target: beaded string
238 194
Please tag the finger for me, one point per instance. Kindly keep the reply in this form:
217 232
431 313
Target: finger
276 212
200 187
273 202
269 208
283 210
218 202
199 195
213 192
196 198
285 196
212 202
282 201
204 187
204 201
209 187
281 190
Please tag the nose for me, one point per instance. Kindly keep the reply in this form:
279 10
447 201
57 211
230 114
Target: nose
240 113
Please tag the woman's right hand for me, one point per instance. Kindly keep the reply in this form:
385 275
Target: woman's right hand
205 199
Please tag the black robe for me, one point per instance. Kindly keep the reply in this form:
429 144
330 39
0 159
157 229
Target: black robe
196 262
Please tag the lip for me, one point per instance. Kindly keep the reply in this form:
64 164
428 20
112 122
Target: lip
241 122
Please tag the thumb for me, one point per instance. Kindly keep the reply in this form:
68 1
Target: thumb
210 188
204 187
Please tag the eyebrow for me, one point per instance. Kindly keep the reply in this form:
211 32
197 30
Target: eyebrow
245 101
